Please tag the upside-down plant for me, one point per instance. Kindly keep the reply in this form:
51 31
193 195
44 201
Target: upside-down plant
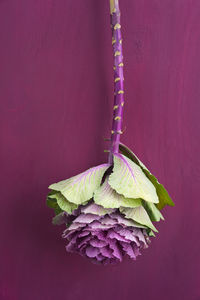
109 209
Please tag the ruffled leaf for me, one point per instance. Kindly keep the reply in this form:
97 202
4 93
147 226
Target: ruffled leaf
63 203
138 215
129 180
96 210
80 188
164 198
153 211
109 198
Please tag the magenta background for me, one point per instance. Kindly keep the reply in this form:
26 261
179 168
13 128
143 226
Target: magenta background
56 89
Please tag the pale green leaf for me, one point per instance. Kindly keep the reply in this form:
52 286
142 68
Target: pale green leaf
129 180
63 203
80 188
153 211
164 198
109 198
138 215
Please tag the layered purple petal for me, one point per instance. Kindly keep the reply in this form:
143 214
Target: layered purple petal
104 238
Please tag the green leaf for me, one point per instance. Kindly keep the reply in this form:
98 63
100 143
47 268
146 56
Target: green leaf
151 233
138 215
80 188
153 211
109 198
129 180
63 203
164 198
128 153
52 203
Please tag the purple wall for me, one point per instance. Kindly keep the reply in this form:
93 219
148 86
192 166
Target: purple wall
56 89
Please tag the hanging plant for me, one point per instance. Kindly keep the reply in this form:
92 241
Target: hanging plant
109 209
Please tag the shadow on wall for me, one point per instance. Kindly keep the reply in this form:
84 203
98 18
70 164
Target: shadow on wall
102 113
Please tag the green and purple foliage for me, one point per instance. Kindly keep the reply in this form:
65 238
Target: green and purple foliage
109 209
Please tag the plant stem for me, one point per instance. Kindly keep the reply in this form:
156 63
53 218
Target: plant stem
118 79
